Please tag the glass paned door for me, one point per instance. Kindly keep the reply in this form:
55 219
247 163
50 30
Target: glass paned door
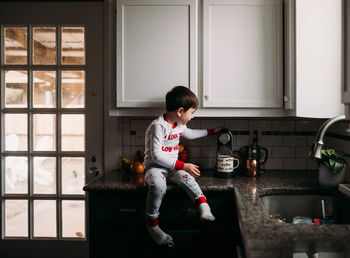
51 111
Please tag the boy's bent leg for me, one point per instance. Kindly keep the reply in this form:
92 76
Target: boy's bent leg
156 181
189 184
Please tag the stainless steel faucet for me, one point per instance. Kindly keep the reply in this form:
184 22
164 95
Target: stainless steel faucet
318 142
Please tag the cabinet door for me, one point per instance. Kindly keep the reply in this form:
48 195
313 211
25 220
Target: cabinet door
156 50
346 88
242 58
319 57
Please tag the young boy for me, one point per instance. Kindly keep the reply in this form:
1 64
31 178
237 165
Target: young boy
161 163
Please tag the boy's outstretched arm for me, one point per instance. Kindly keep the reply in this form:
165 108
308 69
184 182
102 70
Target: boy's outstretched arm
192 134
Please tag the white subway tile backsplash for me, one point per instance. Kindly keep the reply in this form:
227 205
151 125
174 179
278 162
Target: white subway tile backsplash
283 152
306 125
139 138
207 163
194 124
301 152
208 140
208 151
237 125
294 163
272 163
286 150
272 140
194 151
261 125
294 140
140 123
126 134
283 125
309 140
211 123
242 140
126 152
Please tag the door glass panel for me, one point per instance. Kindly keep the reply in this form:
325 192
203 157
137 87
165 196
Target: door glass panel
73 89
73 219
73 46
44 132
16 47
16 84
44 45
73 132
16 176
73 175
44 89
16 218
45 218
16 132
44 175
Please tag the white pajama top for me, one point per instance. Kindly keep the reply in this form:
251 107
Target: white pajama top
162 143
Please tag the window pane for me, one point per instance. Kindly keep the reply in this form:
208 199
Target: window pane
44 132
73 44
73 219
44 89
73 175
44 175
16 218
16 177
16 83
44 218
16 132
73 89
15 45
44 45
73 132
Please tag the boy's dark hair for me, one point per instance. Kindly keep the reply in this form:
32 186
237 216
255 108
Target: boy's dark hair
180 96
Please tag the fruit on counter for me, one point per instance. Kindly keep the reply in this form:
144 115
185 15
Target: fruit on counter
137 167
181 148
126 163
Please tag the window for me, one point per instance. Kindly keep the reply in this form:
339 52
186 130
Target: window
43 137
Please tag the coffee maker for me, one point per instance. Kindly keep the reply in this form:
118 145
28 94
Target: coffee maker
225 162
252 157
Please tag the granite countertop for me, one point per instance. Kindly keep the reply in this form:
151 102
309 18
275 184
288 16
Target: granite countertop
262 237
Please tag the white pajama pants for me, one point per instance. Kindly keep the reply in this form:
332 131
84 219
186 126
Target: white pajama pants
156 179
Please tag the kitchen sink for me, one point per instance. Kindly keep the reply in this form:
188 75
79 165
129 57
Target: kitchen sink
288 206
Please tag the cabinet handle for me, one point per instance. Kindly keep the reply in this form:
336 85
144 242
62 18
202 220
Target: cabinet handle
127 210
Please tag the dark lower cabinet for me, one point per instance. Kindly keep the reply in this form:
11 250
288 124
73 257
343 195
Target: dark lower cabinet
116 224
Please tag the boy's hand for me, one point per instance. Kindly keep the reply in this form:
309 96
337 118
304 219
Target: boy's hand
192 169
217 129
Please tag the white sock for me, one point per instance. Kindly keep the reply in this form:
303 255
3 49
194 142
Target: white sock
159 236
205 213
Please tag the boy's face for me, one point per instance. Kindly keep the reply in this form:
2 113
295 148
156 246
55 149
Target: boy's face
186 116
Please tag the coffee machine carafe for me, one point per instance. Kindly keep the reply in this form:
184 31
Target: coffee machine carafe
253 157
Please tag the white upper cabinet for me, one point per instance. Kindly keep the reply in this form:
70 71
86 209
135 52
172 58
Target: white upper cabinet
243 53
156 50
315 64
346 89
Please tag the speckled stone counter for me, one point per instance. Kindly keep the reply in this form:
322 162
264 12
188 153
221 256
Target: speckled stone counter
262 237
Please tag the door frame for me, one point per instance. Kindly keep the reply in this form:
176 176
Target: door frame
94 17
